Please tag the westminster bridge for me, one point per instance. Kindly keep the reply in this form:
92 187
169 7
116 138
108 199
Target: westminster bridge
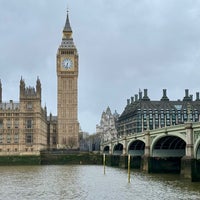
169 149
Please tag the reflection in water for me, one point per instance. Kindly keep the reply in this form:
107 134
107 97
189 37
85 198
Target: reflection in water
89 182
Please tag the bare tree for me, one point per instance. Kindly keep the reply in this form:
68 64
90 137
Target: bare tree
72 142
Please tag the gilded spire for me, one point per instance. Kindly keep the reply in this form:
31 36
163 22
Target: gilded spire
67 27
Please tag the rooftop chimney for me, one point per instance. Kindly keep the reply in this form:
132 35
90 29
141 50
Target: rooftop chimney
197 96
136 97
145 97
186 93
187 97
140 94
164 97
132 99
128 101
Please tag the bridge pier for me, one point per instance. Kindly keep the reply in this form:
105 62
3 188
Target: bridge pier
146 160
188 160
190 167
146 163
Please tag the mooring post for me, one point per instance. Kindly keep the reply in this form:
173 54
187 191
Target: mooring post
104 163
129 162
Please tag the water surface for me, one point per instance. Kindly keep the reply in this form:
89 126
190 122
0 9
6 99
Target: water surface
89 182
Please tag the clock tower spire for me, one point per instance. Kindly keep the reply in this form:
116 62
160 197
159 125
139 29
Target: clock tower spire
67 98
67 27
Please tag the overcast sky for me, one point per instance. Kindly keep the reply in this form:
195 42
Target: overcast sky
123 45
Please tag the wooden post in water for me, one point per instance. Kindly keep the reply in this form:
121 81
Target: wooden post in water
129 162
104 163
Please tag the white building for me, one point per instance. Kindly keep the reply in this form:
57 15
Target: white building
107 128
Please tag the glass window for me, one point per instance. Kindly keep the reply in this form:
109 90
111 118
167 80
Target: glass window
1 138
16 138
8 123
17 123
29 123
29 138
54 139
29 106
8 138
1 123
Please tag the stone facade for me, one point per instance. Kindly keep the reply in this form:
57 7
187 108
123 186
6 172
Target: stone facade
25 128
67 97
107 127
23 125
52 132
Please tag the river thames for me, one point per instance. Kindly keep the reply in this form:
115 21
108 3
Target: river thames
89 182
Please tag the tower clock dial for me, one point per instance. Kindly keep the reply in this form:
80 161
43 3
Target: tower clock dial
67 63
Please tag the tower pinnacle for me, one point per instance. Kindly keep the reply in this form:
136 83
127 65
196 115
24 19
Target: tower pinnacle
67 27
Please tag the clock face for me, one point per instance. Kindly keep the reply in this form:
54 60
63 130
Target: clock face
67 63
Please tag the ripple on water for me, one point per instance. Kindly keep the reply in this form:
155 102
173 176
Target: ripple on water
88 182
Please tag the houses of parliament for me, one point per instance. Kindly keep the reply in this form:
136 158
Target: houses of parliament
25 128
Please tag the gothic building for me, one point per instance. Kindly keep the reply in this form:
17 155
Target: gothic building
67 91
23 124
25 128
107 127
141 113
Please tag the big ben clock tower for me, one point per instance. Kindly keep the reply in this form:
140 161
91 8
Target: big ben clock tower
67 91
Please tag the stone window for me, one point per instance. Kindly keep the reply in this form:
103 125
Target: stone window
8 138
1 123
8 123
1 138
29 106
29 123
16 138
54 139
17 123
29 138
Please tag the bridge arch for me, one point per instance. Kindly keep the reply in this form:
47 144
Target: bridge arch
197 149
106 149
118 149
136 148
168 146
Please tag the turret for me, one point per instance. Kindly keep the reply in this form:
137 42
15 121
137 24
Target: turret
38 87
22 88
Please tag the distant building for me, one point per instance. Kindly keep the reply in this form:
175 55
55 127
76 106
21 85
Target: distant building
107 127
141 113
83 140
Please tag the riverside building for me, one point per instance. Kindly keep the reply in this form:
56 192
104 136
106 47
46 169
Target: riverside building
25 128
23 124
142 113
